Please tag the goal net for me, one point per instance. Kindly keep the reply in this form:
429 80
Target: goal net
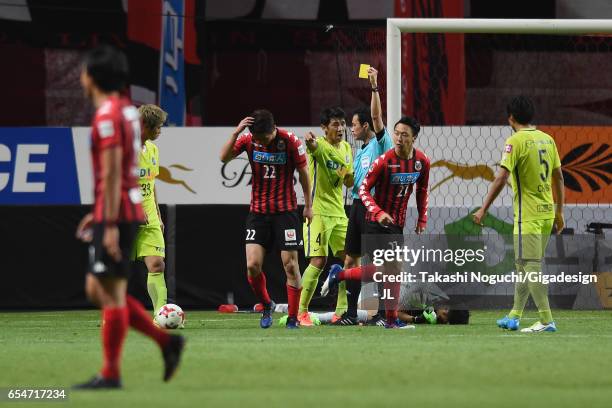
457 79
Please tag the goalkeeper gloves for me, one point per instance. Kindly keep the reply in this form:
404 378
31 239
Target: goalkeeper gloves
430 316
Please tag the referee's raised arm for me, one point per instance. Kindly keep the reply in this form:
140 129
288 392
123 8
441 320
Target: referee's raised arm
375 105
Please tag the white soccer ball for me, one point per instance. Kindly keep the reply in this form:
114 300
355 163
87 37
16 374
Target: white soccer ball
170 316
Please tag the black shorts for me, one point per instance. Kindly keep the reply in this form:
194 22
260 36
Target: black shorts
379 237
100 263
281 230
356 228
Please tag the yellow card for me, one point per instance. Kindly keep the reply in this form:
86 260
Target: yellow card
363 71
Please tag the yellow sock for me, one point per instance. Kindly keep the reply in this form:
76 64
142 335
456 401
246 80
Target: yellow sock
309 285
341 302
156 286
539 293
521 294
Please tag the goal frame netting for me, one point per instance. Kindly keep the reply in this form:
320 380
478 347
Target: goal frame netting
397 26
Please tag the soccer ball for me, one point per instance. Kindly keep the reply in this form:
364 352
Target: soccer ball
170 316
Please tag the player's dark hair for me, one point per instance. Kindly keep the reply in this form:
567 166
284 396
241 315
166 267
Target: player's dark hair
364 116
263 122
328 114
521 108
458 316
108 68
409 121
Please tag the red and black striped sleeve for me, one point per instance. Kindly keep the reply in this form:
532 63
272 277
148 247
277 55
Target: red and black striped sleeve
241 144
422 193
368 183
108 130
297 151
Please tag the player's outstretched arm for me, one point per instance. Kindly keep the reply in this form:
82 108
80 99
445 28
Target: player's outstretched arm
311 142
229 149
496 187
375 105
305 183
559 197
366 197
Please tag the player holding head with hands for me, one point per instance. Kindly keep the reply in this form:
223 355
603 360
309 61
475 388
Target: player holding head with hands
274 154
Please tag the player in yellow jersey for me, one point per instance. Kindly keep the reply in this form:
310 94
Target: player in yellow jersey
531 159
330 166
149 246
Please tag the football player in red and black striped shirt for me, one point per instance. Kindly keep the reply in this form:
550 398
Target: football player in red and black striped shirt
274 155
394 176
117 212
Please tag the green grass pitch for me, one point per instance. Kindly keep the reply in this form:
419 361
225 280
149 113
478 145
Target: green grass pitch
231 362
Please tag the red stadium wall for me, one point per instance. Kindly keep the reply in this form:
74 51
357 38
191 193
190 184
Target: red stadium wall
433 66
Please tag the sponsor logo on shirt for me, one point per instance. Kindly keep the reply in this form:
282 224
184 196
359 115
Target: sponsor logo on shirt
330 164
290 235
144 173
365 162
404 178
546 208
269 158
106 128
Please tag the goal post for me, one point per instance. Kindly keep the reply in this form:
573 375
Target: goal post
561 65
397 26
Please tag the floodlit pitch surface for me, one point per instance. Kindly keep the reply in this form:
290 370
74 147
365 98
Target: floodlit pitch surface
230 361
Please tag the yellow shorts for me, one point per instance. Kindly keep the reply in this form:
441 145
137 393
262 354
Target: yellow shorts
149 242
531 239
324 232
